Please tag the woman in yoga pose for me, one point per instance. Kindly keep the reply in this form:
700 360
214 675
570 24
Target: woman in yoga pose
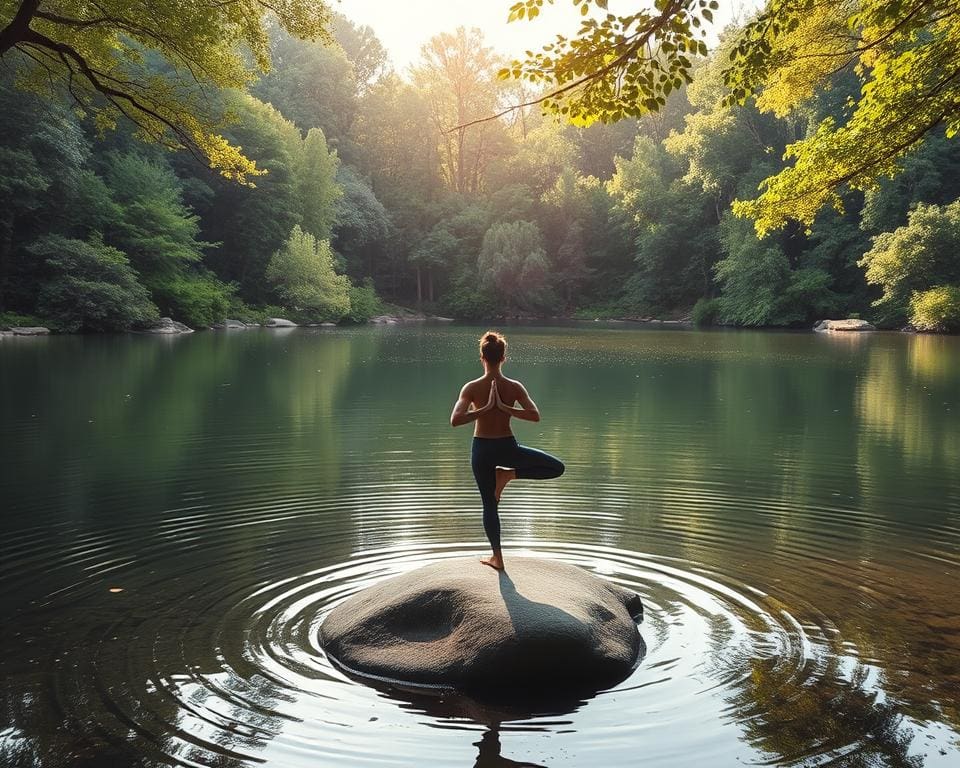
497 458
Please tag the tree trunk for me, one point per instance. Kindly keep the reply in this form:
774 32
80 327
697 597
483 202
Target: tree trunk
6 245
430 284
419 288
16 30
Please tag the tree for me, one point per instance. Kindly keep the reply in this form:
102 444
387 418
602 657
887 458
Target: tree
914 258
315 183
512 263
303 275
152 226
98 51
759 285
92 288
362 223
905 53
618 65
363 48
251 223
456 73
314 86
42 155
673 223
937 309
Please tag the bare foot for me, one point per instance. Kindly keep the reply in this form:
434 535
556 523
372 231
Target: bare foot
495 562
504 476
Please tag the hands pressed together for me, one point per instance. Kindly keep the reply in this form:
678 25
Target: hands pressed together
494 400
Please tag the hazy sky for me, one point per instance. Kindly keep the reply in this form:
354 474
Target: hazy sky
405 25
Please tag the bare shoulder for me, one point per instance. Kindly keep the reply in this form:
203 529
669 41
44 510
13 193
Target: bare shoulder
518 384
471 387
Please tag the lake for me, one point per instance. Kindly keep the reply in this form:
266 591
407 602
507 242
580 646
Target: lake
179 514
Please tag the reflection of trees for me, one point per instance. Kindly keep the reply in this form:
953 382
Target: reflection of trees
904 400
134 681
792 718
130 430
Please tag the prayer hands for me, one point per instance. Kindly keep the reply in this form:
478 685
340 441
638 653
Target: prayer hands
494 398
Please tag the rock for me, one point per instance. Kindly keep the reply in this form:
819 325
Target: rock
328 325
167 326
278 322
384 320
442 319
850 324
235 325
29 330
539 625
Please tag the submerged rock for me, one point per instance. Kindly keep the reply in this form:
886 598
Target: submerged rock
168 326
279 322
540 625
850 324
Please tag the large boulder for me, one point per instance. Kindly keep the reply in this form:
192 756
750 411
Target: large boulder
850 324
29 330
538 625
278 322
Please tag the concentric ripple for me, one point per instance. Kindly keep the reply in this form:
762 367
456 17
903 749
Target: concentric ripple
164 577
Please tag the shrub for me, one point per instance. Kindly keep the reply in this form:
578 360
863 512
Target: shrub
92 287
364 302
16 320
706 312
937 309
199 300
303 274
466 301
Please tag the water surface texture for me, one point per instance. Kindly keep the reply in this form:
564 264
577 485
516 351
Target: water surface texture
179 514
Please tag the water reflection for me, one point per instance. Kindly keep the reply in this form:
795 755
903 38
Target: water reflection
787 505
489 752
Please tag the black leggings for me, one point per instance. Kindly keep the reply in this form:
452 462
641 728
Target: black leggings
492 452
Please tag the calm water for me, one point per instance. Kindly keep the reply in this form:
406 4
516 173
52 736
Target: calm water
178 515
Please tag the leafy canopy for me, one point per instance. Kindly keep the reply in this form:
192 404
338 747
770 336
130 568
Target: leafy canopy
102 52
905 54
616 66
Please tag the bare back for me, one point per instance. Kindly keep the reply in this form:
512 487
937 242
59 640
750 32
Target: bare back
494 423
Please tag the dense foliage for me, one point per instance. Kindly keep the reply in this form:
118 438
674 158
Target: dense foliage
374 185
101 53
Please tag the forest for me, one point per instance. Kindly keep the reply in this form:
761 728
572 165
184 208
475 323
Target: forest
370 186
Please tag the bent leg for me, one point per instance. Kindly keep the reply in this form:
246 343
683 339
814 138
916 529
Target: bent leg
533 464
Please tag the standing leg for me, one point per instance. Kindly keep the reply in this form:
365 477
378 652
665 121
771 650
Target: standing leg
485 473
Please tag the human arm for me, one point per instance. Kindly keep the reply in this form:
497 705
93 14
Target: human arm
527 411
462 413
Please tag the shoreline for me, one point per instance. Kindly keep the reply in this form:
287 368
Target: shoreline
405 316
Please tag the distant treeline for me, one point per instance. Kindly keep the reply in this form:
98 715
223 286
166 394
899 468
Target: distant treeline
368 194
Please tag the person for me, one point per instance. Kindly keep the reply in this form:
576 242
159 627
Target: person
496 457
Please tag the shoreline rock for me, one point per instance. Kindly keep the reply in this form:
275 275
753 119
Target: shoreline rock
278 322
849 325
460 625
167 326
27 330
408 318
